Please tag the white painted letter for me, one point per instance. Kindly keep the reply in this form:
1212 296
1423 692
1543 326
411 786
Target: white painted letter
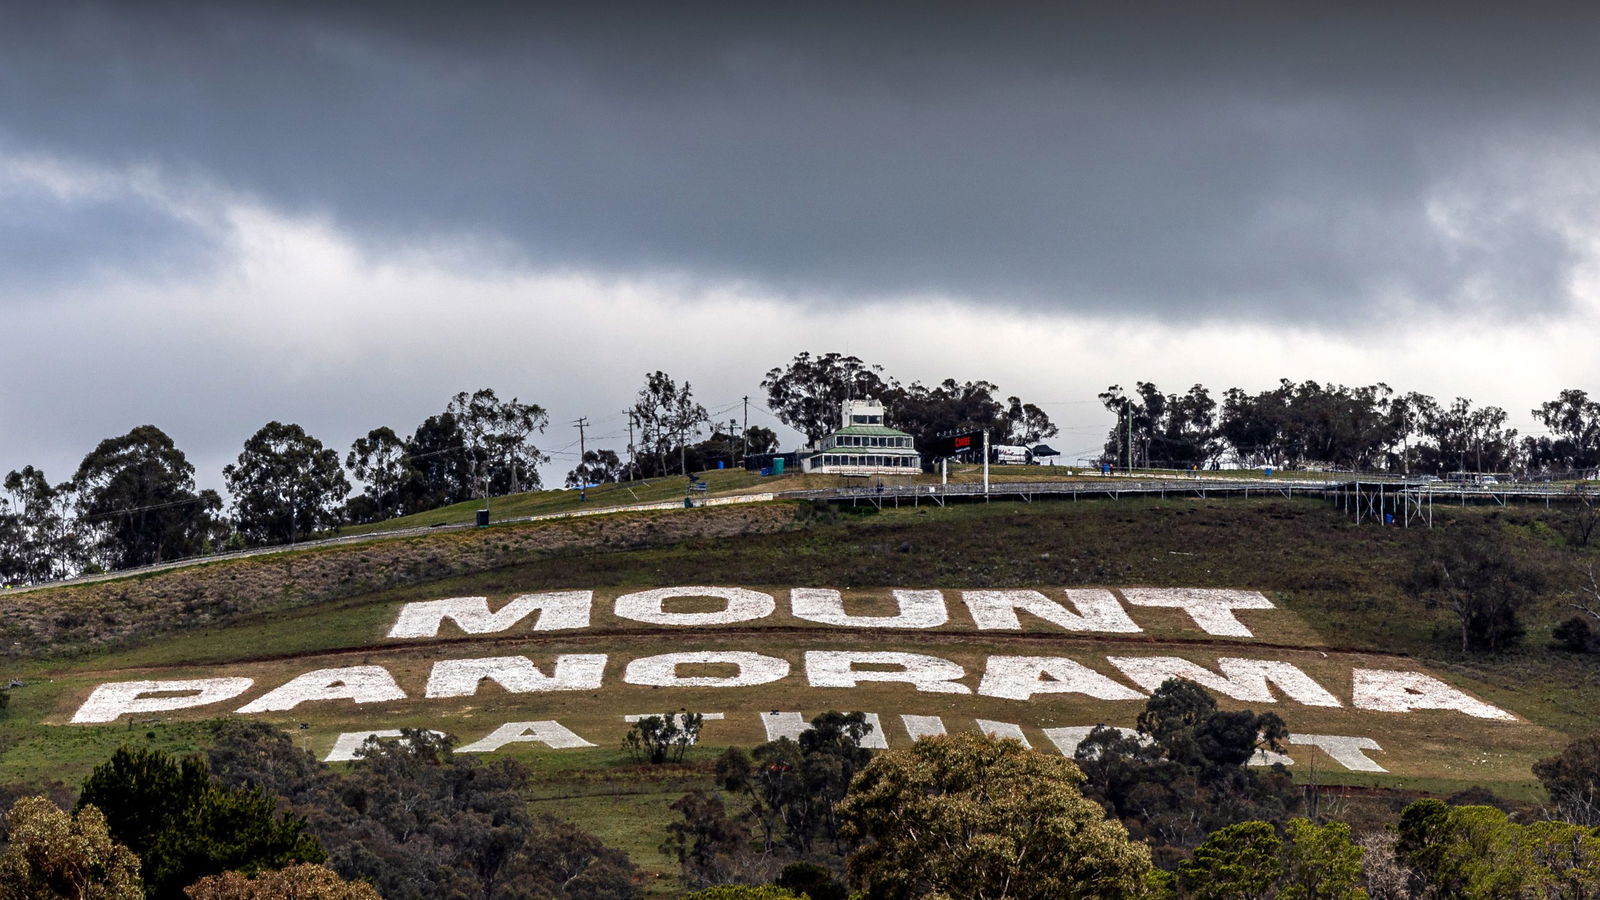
1211 609
1020 677
791 725
1241 679
836 668
743 605
345 747
108 701
362 684
1346 751
1003 730
923 726
551 734
662 671
1265 757
1098 610
918 609
1067 739
1390 691
517 674
558 610
677 719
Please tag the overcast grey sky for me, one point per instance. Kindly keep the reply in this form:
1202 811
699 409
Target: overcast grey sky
213 215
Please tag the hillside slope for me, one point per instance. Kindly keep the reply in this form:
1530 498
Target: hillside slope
1333 609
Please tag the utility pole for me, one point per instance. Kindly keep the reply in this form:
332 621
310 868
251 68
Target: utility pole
1127 411
582 422
744 431
632 456
1405 445
986 462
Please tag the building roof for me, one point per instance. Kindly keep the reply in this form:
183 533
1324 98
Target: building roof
870 430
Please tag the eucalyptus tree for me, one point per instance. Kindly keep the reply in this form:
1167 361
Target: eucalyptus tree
1165 429
597 467
285 485
806 394
1573 420
498 436
381 463
136 500
668 418
38 540
1026 424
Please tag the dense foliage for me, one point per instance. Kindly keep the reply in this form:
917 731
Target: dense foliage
973 816
136 494
806 395
1184 773
1366 428
52 854
421 823
285 485
184 824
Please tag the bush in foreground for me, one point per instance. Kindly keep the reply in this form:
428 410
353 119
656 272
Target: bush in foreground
959 815
53 854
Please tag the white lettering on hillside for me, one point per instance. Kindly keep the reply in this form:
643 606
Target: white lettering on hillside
678 720
791 725
517 674
110 701
1343 749
347 746
1346 751
551 734
1097 610
918 609
837 669
662 671
1385 690
648 606
1020 677
1004 730
557 611
1023 678
360 684
1265 757
923 726
1085 609
1210 608
1241 679
1068 739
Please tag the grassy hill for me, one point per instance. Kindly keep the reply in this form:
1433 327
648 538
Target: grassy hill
1337 589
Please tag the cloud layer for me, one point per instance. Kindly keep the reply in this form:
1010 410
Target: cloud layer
1218 163
215 215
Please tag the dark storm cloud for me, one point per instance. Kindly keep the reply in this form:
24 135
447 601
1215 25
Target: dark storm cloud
49 243
1193 161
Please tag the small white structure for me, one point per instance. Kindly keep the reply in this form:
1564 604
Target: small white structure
1007 455
863 445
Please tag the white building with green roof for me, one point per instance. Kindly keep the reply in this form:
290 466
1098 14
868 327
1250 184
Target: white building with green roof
863 445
